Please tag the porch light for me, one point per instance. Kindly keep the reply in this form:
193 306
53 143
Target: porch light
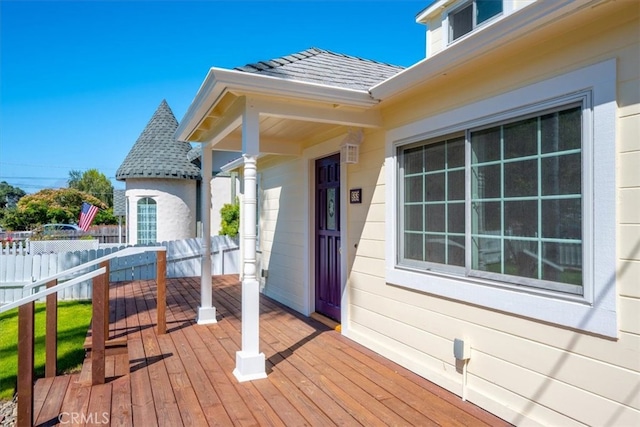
350 146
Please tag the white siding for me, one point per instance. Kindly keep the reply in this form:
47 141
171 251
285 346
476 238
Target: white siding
282 229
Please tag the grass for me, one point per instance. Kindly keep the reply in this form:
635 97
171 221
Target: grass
73 322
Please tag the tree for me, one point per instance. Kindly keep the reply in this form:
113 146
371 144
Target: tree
92 182
9 195
55 206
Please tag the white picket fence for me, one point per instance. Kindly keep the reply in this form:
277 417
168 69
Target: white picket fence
19 269
35 247
15 247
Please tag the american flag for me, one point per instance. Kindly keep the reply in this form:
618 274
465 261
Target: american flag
87 214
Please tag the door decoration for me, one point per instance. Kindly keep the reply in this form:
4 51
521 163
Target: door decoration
331 208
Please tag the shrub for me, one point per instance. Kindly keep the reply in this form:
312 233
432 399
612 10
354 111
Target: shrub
230 223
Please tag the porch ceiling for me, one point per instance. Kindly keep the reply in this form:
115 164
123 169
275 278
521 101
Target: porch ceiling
285 124
281 136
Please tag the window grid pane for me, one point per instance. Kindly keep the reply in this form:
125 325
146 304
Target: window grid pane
525 201
432 203
147 221
521 246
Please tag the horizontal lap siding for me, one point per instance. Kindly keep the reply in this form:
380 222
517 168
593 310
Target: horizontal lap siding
628 208
523 370
427 326
543 358
282 195
628 273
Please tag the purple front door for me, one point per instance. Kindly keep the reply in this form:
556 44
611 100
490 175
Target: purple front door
328 283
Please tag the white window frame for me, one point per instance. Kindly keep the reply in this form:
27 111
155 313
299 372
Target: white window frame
595 310
155 203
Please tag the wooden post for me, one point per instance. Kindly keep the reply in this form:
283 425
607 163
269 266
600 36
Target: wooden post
97 331
161 281
25 364
51 333
105 264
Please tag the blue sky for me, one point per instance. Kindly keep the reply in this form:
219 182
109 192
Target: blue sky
80 80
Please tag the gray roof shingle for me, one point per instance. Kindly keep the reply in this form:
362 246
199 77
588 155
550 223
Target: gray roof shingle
322 66
157 153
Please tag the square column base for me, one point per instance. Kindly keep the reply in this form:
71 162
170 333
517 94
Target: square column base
249 366
206 316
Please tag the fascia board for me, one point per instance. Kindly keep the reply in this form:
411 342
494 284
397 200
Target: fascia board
274 86
205 98
518 24
219 81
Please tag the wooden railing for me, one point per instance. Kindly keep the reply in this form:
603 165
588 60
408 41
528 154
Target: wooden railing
99 322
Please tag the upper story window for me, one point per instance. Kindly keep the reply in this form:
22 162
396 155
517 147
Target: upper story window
470 15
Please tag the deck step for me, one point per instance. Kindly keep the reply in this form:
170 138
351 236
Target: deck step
112 343
116 365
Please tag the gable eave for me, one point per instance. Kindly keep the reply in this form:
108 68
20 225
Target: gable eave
221 81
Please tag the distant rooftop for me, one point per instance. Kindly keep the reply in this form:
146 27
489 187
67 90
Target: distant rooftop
157 153
324 67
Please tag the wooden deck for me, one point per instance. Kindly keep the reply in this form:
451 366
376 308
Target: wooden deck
316 376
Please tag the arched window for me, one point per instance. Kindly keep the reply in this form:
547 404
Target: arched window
147 220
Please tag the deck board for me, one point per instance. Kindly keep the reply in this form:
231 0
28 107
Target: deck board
53 402
121 402
315 375
99 408
40 394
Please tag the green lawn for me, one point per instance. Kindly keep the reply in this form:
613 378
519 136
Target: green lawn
73 322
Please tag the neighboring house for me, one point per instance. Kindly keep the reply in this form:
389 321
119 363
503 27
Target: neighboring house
162 184
486 235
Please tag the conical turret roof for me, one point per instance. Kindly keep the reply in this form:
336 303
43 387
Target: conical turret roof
157 153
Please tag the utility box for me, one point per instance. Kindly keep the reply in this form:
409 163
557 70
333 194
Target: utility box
461 349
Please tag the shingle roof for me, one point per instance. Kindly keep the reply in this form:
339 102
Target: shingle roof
157 153
325 67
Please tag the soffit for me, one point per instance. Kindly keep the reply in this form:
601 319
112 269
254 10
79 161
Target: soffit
285 125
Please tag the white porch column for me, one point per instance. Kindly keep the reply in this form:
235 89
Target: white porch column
206 311
250 363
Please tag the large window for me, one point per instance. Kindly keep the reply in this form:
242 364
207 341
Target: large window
472 14
509 202
147 221
519 218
